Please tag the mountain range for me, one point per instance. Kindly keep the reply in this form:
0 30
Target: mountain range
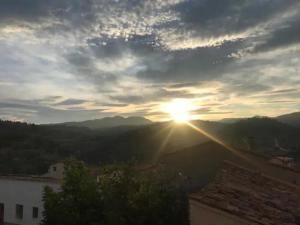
292 119
30 149
108 122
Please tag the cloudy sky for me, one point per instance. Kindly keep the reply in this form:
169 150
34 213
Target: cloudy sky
66 60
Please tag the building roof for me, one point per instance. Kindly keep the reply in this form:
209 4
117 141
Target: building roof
29 178
266 159
252 196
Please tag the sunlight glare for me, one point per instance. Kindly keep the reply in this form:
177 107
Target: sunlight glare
179 110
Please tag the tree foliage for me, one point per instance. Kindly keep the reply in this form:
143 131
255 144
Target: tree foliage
121 195
78 201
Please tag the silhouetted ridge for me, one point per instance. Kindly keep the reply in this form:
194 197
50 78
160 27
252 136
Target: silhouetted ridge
109 122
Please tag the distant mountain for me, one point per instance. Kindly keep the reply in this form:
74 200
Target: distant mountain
230 120
291 119
109 122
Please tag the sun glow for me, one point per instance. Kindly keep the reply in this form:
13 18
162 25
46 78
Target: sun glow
179 110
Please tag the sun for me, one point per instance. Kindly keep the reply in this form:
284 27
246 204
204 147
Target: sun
179 110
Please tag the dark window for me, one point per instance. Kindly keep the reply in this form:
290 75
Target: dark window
297 220
54 168
1 213
35 212
19 211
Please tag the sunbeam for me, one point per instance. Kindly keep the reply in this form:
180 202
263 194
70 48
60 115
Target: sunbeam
228 147
163 144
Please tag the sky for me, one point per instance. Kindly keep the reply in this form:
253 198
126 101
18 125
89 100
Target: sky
72 60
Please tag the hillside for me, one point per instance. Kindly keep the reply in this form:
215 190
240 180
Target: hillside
262 134
200 162
292 119
29 148
149 142
109 122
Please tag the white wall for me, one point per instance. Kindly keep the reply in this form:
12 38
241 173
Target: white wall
56 171
24 192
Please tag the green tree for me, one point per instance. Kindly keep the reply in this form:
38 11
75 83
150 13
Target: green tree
78 202
121 196
152 197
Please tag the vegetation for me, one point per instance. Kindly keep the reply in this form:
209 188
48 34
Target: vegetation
121 196
109 122
30 149
263 135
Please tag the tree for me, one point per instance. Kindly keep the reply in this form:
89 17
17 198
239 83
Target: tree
78 202
121 196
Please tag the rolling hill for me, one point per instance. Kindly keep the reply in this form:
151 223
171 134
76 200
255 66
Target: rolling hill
262 134
109 122
29 148
292 119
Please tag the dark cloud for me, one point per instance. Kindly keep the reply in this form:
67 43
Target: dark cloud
207 111
105 47
280 95
279 101
71 101
23 10
77 12
158 95
38 113
82 64
82 61
200 64
183 85
284 35
218 17
243 88
289 90
113 104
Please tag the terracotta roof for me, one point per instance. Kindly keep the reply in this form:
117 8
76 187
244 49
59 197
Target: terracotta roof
252 196
267 159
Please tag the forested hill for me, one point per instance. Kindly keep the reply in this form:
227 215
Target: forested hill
30 149
292 119
110 122
263 135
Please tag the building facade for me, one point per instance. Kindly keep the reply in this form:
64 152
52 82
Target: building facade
56 171
21 198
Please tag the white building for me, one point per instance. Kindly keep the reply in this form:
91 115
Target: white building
21 198
56 171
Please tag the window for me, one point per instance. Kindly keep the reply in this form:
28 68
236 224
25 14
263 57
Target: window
1 213
19 211
35 212
54 168
297 220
